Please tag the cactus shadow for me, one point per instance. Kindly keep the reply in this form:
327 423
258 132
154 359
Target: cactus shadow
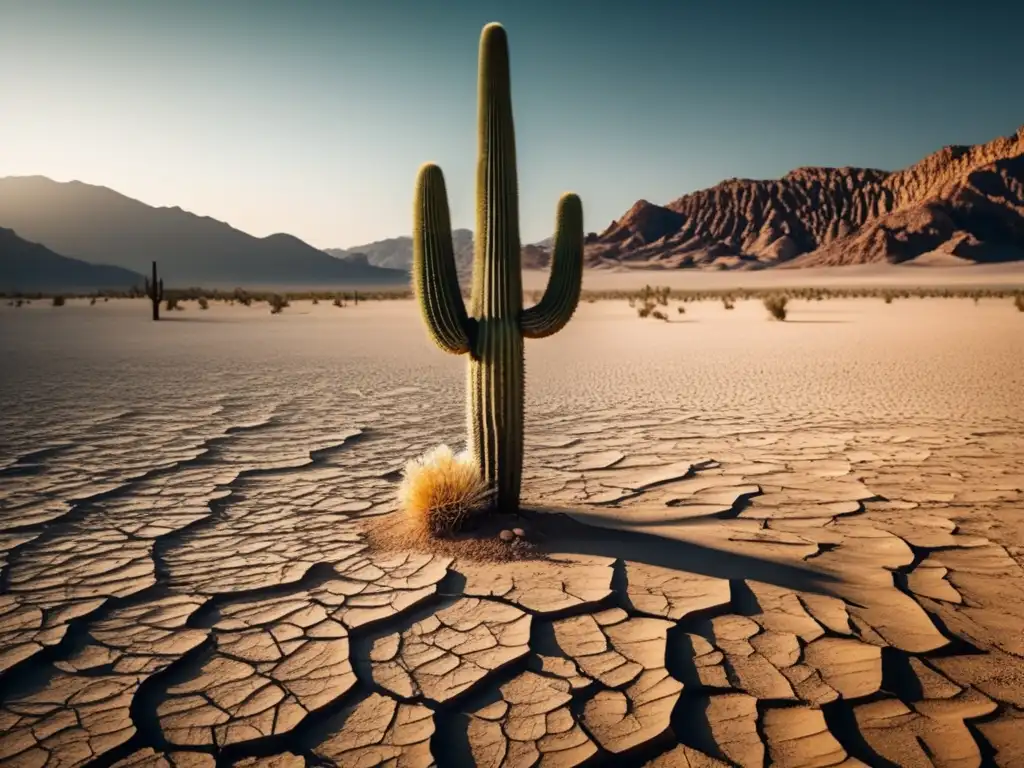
568 532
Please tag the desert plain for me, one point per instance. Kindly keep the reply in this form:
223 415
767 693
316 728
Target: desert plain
791 543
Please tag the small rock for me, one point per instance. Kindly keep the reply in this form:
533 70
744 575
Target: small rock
506 535
519 532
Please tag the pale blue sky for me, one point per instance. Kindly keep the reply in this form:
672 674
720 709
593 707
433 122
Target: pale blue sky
312 116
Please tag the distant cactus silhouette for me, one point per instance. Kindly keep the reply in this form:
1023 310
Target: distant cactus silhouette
155 291
492 332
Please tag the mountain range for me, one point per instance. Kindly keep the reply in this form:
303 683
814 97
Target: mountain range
100 226
27 267
962 204
396 253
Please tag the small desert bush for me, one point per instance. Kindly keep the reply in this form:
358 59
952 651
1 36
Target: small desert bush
441 490
338 302
727 302
277 303
92 302
659 315
681 309
645 310
1018 302
203 303
888 298
58 301
172 303
776 306
315 301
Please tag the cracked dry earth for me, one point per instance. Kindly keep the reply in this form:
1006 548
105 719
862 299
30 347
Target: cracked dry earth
791 544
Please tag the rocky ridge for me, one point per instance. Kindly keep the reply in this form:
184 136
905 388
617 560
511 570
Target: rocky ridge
960 204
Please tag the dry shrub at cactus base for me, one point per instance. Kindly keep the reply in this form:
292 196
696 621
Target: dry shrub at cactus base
441 491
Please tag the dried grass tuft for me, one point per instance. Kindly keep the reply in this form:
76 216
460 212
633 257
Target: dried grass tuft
441 490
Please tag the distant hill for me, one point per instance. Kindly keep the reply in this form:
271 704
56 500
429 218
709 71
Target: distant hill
101 226
396 253
962 204
30 267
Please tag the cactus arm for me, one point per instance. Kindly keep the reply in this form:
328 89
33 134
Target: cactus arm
435 279
562 295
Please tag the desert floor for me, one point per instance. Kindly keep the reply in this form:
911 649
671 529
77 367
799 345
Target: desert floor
795 543
1004 275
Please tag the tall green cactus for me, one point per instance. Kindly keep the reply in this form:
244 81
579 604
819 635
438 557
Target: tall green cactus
492 332
155 292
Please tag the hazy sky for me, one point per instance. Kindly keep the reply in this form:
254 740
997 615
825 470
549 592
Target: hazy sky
312 116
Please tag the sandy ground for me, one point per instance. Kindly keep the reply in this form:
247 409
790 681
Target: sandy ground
796 543
864 276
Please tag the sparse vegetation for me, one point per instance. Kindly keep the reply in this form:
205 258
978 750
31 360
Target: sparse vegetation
776 306
315 301
92 301
888 298
203 303
727 297
681 309
172 303
58 301
659 315
441 491
277 303
1018 302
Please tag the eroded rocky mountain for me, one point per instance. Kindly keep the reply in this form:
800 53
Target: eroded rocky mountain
961 204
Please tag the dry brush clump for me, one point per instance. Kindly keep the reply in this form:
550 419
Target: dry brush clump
58 301
203 303
776 306
441 491
277 303
648 299
1018 302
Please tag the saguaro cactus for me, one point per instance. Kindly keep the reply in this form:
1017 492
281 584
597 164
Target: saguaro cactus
155 291
492 331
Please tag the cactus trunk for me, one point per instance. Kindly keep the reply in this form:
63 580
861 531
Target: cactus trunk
492 332
155 291
495 409
156 301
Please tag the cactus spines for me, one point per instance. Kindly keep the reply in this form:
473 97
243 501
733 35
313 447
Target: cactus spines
155 292
492 331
